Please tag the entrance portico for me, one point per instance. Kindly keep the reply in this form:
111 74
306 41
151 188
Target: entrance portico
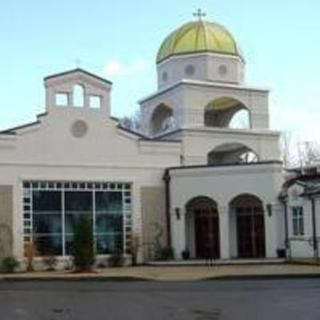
225 216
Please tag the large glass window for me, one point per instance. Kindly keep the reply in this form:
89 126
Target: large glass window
47 222
297 221
77 204
109 222
52 209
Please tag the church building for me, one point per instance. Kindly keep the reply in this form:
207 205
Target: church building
202 175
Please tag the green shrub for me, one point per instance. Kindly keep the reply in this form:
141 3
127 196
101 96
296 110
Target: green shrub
9 264
83 245
116 260
164 254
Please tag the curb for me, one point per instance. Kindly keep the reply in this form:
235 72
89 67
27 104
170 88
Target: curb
141 279
265 277
75 279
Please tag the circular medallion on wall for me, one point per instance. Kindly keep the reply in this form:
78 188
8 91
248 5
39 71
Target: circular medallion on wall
190 70
223 70
79 129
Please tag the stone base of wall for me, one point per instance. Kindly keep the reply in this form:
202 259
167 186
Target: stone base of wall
6 218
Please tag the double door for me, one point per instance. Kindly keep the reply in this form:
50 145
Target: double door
207 234
250 232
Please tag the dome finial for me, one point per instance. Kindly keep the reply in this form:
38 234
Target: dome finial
199 14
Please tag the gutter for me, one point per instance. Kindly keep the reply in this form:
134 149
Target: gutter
166 179
286 227
314 228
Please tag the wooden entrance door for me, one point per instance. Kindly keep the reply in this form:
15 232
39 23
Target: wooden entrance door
250 232
207 233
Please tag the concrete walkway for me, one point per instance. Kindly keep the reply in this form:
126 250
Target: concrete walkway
176 273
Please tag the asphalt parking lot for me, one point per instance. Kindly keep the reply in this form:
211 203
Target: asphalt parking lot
150 300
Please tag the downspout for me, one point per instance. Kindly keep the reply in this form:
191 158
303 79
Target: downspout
166 179
314 229
286 228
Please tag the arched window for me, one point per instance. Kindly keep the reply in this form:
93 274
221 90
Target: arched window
162 119
228 113
231 153
78 96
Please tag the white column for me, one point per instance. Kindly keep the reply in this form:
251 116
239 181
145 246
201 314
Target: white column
271 225
86 100
259 120
178 233
224 227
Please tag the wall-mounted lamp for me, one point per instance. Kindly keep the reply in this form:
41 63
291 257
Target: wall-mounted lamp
269 209
177 212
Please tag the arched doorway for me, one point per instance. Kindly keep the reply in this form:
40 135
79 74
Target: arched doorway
250 226
203 215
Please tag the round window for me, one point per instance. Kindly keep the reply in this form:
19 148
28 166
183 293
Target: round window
79 129
223 70
190 70
164 76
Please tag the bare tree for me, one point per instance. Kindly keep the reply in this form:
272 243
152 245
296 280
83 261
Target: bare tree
287 149
298 153
308 152
133 122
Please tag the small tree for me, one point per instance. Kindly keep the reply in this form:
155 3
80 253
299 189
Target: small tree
30 252
83 245
134 248
158 239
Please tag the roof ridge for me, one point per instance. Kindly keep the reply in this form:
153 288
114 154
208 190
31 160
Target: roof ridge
88 73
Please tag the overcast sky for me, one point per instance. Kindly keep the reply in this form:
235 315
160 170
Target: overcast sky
119 40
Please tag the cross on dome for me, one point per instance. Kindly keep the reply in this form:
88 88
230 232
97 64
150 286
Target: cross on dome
199 14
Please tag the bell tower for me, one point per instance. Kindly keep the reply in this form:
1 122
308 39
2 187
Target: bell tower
77 90
200 72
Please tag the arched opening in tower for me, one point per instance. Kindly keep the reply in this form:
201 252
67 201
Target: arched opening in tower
227 113
162 119
231 153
